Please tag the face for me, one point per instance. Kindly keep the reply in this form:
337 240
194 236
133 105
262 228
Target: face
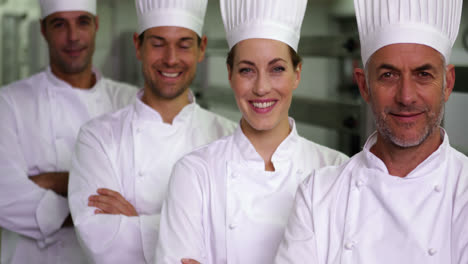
263 78
169 57
71 39
408 87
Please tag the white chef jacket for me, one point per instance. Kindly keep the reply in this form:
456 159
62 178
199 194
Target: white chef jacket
132 152
223 207
358 213
40 118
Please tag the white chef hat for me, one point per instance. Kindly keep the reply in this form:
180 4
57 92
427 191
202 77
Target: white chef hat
178 13
434 23
49 7
269 19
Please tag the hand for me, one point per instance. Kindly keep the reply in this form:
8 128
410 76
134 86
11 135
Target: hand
55 181
111 202
189 261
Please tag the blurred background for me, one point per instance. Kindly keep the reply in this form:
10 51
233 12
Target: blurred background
326 106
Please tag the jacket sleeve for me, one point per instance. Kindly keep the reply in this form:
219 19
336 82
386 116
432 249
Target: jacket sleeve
181 228
299 245
25 208
104 238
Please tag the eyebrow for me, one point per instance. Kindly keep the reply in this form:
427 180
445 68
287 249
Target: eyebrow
387 67
57 19
163 39
273 61
424 67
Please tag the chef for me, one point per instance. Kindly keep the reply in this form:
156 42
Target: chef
123 160
41 116
228 202
404 198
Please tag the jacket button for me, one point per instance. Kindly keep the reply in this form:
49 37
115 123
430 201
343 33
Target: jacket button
359 184
232 226
349 245
432 251
437 188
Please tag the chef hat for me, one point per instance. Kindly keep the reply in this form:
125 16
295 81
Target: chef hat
49 7
433 23
177 13
270 19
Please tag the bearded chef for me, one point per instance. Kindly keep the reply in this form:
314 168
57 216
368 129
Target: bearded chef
404 198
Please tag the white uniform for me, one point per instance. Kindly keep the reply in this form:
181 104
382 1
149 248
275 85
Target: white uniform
359 214
223 207
40 119
132 152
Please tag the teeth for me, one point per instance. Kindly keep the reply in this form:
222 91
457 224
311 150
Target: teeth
263 105
170 75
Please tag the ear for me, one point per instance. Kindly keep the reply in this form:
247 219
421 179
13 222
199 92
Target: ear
96 22
298 73
360 77
137 44
43 33
203 43
229 69
450 81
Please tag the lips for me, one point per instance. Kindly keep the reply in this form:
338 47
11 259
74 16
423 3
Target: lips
74 51
407 117
170 74
263 106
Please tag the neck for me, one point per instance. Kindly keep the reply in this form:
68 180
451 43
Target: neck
82 80
401 161
266 142
167 108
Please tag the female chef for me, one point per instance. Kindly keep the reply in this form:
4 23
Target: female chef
228 202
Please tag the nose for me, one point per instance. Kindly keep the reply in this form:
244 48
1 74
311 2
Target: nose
262 86
73 33
406 94
170 56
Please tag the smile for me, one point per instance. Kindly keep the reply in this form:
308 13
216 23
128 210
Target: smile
406 117
263 106
170 74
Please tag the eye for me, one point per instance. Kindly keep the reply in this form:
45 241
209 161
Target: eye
245 70
387 75
84 22
58 24
157 44
279 69
424 75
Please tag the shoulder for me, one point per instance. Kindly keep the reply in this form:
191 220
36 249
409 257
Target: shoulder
322 180
121 93
26 88
208 157
107 126
214 122
322 154
112 84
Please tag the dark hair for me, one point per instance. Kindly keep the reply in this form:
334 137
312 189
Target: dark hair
295 58
141 37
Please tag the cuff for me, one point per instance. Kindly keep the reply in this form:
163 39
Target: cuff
50 215
149 234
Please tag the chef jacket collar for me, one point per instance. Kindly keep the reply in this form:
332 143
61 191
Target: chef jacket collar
60 84
284 152
146 113
427 167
